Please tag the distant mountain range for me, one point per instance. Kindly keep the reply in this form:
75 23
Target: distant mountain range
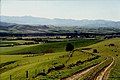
24 28
28 24
29 20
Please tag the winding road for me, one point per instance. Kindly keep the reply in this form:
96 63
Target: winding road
103 74
78 75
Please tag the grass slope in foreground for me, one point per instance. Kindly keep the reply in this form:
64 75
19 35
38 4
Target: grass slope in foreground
49 66
110 47
17 65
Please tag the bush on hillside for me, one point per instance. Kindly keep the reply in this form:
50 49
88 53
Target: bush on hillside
69 47
95 51
111 45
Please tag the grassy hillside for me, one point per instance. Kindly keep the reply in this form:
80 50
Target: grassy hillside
17 65
34 64
105 49
46 48
54 66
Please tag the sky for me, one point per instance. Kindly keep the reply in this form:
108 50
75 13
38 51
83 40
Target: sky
65 9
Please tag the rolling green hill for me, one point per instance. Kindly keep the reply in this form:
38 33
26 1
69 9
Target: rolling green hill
16 65
34 64
54 66
106 49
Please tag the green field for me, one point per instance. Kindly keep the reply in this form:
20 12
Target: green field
4 43
7 50
53 65
45 48
105 50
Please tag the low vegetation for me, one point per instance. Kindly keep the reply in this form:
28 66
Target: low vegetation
53 64
48 61
110 47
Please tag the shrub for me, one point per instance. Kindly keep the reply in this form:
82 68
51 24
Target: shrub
69 47
111 45
95 51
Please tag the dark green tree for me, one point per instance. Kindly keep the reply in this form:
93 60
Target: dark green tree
69 47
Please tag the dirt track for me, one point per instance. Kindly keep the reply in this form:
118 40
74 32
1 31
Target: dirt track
76 76
79 74
103 75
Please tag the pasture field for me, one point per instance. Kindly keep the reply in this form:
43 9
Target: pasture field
50 61
105 49
6 50
13 41
5 43
16 65
34 64
45 48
